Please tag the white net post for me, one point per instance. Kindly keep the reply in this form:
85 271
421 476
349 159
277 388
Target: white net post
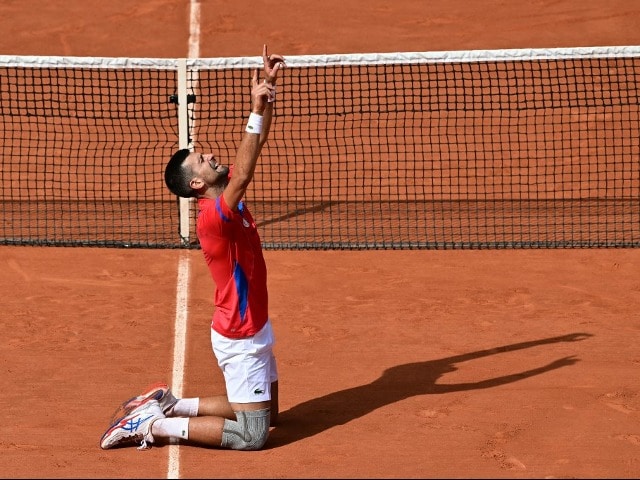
183 142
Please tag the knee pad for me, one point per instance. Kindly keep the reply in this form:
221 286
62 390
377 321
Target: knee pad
249 432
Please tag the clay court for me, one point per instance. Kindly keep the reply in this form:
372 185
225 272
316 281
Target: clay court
513 363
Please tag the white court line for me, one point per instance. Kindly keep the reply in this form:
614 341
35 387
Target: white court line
182 302
182 282
194 30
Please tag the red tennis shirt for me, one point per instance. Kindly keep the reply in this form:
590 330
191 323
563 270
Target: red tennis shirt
232 249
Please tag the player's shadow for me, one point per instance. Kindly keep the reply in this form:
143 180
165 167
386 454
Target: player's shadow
397 383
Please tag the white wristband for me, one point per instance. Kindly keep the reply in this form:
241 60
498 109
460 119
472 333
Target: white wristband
254 125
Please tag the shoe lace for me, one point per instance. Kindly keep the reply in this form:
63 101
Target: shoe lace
144 445
145 439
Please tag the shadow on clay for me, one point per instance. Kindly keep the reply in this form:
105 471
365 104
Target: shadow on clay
397 383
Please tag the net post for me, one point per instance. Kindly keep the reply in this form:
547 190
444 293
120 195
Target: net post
183 142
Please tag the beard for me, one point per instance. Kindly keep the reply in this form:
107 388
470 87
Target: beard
223 175
223 171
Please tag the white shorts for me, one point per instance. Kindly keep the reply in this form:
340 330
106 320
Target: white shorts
248 365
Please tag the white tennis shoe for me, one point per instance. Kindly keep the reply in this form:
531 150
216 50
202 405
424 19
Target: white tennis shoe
157 391
134 427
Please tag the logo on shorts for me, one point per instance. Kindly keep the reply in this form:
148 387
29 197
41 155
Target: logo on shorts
258 391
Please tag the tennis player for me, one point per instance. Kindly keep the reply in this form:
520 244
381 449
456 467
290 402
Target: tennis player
241 332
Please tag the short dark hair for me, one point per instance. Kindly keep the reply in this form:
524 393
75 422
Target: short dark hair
177 177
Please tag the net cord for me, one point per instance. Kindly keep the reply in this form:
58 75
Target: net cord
327 60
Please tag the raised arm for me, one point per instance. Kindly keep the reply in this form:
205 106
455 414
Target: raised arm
272 64
256 132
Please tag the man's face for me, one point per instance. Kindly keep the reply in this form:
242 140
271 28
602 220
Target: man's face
206 168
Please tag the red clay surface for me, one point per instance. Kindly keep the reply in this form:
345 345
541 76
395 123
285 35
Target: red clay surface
403 364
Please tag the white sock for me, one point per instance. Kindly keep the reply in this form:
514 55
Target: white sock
177 427
185 407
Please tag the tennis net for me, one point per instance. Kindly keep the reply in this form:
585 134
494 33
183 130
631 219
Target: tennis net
527 148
